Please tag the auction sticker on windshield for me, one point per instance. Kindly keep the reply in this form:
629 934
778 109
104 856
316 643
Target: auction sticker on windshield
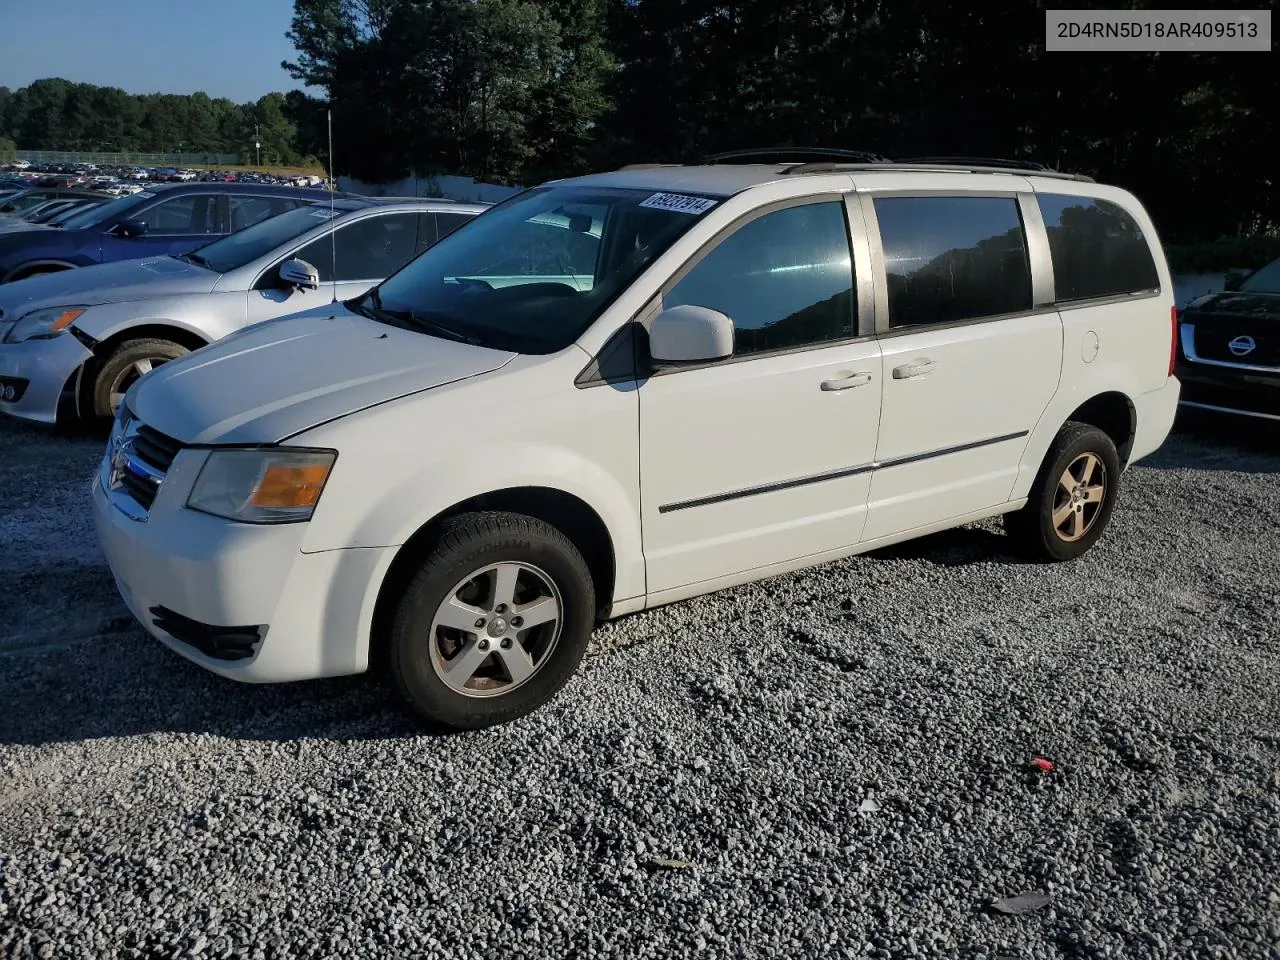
679 203
323 214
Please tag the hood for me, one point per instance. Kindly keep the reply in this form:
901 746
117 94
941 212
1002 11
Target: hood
14 225
276 379
1240 304
105 283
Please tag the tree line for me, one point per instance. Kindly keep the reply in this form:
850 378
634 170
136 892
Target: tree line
519 91
56 114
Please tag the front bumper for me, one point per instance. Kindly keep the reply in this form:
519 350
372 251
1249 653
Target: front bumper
37 371
311 611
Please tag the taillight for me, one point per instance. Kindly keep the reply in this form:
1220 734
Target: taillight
1173 338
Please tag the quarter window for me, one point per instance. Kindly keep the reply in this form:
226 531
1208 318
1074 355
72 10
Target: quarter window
1098 250
369 249
785 279
953 258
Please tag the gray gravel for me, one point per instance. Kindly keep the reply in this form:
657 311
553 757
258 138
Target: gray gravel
834 763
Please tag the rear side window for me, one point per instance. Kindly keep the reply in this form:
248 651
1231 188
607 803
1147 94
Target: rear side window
246 211
1098 250
433 227
953 258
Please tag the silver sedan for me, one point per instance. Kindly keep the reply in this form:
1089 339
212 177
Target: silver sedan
72 343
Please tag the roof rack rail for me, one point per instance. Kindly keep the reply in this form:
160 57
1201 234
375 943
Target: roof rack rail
901 166
794 155
647 166
979 161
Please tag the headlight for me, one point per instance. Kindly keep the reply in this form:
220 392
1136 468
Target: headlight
262 486
43 324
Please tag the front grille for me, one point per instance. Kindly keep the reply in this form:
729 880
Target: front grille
139 461
154 448
220 643
142 489
1215 334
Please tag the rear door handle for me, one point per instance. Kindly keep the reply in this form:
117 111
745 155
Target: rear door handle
859 379
916 368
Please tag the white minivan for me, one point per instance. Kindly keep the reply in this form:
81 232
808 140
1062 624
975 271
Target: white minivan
622 390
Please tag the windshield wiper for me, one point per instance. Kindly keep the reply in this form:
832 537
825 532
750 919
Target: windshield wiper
191 258
416 319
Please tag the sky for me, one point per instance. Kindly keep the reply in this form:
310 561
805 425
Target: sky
227 48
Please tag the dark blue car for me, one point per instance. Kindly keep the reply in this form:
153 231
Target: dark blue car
174 218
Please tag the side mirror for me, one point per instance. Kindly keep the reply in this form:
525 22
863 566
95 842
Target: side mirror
131 229
1234 280
299 274
690 334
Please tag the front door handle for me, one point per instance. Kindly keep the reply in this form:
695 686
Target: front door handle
859 379
916 368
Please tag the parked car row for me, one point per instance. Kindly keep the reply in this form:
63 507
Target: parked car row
80 339
120 180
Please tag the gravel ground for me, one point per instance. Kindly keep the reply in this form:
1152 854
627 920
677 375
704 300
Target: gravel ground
834 763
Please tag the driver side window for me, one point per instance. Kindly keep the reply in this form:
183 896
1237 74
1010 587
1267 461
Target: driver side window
191 215
785 279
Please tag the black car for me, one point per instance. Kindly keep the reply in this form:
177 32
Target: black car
1229 348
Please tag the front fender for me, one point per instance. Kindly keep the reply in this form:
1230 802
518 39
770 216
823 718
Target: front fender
402 464
206 316
406 507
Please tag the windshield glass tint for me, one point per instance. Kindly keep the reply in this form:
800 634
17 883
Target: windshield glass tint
245 246
100 212
1266 280
532 273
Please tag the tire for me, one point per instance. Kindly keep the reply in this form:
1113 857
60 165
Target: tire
113 375
491 667
1080 511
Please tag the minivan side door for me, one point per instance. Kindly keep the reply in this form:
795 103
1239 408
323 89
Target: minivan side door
368 251
971 351
764 457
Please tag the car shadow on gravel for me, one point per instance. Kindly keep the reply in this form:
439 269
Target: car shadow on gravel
958 547
1229 444
120 682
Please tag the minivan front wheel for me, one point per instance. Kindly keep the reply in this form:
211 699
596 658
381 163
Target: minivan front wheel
1073 496
494 622
116 373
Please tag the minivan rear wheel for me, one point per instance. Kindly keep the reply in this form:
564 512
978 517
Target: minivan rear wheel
1074 494
494 622
116 373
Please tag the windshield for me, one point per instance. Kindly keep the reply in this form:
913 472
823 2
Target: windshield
99 212
245 246
1266 280
533 272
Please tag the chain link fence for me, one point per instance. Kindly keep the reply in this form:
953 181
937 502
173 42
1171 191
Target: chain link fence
128 159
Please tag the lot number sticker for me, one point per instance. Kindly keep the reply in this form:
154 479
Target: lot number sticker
679 203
